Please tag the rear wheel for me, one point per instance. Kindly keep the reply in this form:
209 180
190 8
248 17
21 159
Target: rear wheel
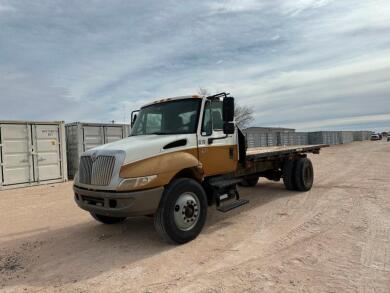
304 174
289 174
182 211
106 219
249 181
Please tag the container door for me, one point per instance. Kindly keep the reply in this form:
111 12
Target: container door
16 154
113 133
47 156
92 137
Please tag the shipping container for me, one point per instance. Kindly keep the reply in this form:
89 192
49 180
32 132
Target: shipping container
32 153
285 138
267 129
300 138
324 137
264 136
81 137
268 136
361 135
346 137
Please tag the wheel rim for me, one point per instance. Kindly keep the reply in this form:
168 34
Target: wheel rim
186 211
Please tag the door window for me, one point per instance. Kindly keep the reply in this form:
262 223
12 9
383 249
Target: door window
207 127
216 111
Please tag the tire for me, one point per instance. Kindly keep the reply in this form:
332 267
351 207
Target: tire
289 174
182 212
304 174
249 181
106 219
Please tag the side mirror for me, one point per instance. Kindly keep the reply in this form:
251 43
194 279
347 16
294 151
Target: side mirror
133 120
228 109
133 117
228 128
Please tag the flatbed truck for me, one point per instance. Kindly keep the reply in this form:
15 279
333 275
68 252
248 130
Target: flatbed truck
184 155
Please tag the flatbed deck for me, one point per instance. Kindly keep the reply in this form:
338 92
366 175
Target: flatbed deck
278 151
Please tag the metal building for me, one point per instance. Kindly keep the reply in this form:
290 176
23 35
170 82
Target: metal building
81 137
32 153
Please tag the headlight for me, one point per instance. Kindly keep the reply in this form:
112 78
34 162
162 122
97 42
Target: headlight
133 183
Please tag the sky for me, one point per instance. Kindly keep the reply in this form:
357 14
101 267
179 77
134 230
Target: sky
305 64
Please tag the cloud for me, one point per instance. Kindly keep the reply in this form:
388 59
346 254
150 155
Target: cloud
234 6
297 63
5 7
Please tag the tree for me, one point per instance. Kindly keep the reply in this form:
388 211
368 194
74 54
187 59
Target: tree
243 115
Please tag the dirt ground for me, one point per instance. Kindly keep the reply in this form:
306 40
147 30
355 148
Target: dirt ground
335 238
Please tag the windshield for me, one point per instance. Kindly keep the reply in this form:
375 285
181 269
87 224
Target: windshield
176 117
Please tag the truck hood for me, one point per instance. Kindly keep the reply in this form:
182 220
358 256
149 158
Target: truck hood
139 147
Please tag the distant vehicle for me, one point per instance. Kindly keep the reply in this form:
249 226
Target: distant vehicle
375 137
388 138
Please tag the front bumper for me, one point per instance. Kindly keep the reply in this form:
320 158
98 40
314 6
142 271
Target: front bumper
119 204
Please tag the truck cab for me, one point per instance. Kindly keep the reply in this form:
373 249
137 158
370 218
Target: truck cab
183 155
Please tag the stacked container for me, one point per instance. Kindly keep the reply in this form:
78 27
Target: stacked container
361 135
285 138
346 137
324 137
85 136
300 138
264 136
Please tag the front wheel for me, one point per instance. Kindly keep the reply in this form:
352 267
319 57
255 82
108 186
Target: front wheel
106 219
182 212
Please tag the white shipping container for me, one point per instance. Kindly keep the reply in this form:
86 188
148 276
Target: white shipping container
32 153
81 137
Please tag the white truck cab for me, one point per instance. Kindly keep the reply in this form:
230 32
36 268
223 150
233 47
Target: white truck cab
183 154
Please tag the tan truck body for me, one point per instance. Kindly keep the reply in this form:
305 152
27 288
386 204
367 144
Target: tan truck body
132 176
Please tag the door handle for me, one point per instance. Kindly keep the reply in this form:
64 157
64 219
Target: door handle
41 159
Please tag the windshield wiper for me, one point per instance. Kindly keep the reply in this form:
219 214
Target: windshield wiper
159 133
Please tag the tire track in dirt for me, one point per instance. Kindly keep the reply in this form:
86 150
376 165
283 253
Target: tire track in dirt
315 229
331 239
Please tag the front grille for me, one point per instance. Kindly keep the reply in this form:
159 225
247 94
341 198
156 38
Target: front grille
102 170
85 169
97 172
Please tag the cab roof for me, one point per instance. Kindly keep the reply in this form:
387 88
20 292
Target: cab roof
163 100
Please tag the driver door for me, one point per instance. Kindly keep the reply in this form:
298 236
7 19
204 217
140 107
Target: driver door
217 153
